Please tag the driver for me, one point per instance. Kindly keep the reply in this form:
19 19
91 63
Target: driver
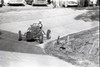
40 24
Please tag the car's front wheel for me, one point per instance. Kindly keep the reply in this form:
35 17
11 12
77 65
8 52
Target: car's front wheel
28 36
41 38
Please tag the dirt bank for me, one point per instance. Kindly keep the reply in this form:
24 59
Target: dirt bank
81 49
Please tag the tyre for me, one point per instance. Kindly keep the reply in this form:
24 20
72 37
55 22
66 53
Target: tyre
48 34
41 38
28 36
20 36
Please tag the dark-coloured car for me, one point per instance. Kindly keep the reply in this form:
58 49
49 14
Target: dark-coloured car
16 2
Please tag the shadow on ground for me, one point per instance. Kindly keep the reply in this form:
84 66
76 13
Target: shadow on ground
9 42
85 8
91 15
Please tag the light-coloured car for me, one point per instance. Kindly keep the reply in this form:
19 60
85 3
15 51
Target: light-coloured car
39 2
66 3
1 3
93 2
16 2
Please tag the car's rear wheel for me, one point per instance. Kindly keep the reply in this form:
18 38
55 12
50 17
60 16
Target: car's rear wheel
20 35
0 5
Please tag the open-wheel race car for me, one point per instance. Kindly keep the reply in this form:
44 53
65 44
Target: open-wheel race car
34 33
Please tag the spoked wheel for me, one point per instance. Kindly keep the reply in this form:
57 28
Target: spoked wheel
48 34
41 38
20 35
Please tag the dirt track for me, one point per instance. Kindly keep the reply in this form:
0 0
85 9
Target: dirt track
61 21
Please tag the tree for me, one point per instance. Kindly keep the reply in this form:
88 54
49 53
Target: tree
83 3
86 3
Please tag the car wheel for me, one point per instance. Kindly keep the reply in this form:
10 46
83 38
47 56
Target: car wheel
28 36
41 38
48 34
20 35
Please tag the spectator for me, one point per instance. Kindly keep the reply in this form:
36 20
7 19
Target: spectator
54 3
94 2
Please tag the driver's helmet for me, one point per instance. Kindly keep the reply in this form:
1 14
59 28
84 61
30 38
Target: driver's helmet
40 21
40 24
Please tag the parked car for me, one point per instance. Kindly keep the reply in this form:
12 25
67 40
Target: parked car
29 2
16 2
39 2
1 3
66 3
